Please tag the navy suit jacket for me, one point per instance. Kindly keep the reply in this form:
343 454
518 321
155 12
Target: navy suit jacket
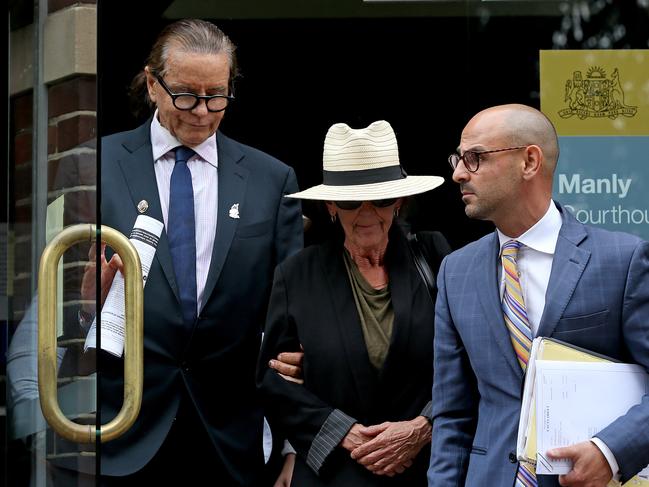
597 298
213 364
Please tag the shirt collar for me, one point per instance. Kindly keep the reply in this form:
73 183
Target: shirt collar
543 235
162 142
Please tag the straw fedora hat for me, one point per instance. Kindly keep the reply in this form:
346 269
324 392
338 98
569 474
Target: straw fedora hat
363 164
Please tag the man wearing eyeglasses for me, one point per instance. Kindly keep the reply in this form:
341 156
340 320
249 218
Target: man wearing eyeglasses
541 273
227 225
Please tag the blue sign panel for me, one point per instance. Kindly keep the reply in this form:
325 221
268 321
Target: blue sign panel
604 181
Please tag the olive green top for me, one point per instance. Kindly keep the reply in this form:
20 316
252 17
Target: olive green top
375 312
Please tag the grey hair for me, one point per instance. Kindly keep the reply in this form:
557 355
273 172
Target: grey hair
188 35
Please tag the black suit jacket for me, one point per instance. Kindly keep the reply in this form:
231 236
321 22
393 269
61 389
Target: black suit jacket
312 305
212 364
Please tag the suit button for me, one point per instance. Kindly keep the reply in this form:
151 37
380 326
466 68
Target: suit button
184 366
512 457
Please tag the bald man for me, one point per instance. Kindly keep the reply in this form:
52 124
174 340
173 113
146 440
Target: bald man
559 279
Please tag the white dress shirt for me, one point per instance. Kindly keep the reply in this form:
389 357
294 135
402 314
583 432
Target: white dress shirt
534 263
203 168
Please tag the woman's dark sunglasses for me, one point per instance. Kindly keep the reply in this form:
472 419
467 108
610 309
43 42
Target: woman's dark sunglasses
352 205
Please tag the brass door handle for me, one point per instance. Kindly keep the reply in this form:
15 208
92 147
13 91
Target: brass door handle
134 335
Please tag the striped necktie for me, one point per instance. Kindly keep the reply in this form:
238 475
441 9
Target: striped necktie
520 332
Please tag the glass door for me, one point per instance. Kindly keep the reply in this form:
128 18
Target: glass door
51 184
48 243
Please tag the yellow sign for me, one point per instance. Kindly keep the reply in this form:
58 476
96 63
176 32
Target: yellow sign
600 92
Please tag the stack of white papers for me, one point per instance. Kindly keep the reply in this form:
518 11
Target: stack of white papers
576 393
144 237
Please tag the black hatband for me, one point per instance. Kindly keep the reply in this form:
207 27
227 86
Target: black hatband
364 176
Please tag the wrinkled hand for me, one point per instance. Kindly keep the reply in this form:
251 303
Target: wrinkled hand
355 438
589 465
285 476
393 446
289 366
88 282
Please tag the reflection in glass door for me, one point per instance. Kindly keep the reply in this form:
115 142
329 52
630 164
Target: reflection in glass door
50 185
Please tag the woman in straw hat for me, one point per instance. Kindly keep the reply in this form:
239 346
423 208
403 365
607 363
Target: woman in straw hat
364 318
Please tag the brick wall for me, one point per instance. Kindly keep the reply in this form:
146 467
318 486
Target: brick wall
71 174
71 143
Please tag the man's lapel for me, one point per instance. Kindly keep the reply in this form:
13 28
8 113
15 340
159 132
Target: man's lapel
137 166
232 190
486 263
567 267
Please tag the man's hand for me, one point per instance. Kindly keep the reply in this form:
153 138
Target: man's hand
355 438
393 446
285 476
289 366
589 465
108 271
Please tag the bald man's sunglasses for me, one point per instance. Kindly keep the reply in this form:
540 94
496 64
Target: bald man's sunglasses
353 205
471 158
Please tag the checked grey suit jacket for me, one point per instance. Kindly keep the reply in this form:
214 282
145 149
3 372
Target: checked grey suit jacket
597 298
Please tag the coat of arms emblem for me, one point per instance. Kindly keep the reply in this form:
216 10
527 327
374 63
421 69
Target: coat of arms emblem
596 96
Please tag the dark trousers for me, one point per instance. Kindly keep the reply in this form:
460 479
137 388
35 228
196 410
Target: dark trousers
186 458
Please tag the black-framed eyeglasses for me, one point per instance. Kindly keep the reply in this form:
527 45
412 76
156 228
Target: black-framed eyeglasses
352 205
189 101
471 158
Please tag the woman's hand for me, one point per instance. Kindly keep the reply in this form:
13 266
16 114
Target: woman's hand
393 446
355 438
285 476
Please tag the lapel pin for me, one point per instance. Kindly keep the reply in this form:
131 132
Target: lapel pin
142 206
234 211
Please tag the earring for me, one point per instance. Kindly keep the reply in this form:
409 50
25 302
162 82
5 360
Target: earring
396 212
333 218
